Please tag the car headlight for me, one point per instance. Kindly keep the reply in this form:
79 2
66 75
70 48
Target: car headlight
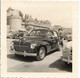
33 45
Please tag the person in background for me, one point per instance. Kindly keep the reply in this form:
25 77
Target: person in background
60 34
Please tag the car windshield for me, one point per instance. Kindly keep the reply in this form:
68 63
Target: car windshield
38 33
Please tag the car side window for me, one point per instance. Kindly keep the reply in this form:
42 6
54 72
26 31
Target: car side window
49 34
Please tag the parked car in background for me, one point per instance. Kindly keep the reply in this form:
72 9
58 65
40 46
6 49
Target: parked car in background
16 34
37 43
67 52
10 35
68 37
20 33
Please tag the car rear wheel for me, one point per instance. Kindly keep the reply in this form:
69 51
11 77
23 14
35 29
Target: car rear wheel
41 53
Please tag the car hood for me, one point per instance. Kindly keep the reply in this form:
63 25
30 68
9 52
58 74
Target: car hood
34 37
31 39
68 45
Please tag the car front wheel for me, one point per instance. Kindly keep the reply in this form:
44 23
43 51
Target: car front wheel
41 53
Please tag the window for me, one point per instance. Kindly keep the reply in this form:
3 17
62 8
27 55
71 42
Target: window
49 34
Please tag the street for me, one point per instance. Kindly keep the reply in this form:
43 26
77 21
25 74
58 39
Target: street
51 63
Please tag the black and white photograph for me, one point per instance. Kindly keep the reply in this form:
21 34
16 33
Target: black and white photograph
40 37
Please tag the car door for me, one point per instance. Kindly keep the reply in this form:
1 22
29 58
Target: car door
56 40
52 39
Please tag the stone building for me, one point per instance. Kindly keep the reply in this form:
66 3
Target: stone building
14 19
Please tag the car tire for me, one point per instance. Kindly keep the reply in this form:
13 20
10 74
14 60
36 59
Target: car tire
41 53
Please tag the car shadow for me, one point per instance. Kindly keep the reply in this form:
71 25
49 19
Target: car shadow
61 65
22 58
53 52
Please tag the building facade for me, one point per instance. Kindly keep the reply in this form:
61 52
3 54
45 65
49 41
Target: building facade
14 19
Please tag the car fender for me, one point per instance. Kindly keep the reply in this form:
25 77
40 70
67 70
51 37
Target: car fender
44 44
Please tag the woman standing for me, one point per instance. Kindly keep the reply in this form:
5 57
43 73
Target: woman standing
60 35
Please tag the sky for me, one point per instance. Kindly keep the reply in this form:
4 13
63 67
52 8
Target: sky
58 13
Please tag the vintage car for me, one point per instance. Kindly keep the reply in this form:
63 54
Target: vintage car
67 52
37 43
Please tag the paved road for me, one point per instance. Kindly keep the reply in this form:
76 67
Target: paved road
51 63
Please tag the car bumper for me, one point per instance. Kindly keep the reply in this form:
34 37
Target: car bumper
66 60
23 53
